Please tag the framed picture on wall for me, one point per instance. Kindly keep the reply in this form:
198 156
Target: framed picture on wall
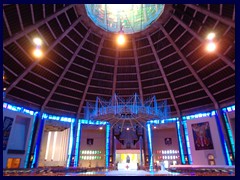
202 136
89 141
168 141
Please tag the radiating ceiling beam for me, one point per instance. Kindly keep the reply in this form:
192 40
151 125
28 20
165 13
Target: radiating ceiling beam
55 37
9 70
137 69
7 25
68 96
16 60
32 13
36 61
60 25
37 85
54 8
65 71
67 18
189 66
163 75
75 11
70 88
224 58
194 100
213 15
153 86
221 80
229 87
44 11
152 78
19 16
22 100
30 92
149 71
41 77
90 77
35 26
115 72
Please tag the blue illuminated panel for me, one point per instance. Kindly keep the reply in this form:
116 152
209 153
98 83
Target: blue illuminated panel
34 157
228 157
199 115
18 109
150 146
229 108
223 142
77 144
70 145
187 142
107 144
229 131
57 118
180 143
30 141
38 145
93 122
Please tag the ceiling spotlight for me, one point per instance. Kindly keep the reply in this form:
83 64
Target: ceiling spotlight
121 39
211 47
101 128
211 36
37 53
154 127
127 129
37 41
4 89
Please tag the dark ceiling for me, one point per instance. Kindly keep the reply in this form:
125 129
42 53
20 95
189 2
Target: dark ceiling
81 63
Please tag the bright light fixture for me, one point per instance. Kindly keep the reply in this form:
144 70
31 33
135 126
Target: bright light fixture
127 129
211 36
100 128
37 53
120 39
37 41
211 47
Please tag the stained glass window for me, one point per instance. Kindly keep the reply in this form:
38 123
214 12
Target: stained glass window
131 17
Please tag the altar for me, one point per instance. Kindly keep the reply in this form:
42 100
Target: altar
127 166
127 159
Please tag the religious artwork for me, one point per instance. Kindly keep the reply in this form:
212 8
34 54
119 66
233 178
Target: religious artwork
89 141
7 126
168 141
128 159
202 136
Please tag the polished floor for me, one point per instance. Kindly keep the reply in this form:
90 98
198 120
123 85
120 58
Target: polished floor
50 172
125 173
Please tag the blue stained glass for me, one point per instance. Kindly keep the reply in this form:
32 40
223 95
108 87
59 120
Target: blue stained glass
131 17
